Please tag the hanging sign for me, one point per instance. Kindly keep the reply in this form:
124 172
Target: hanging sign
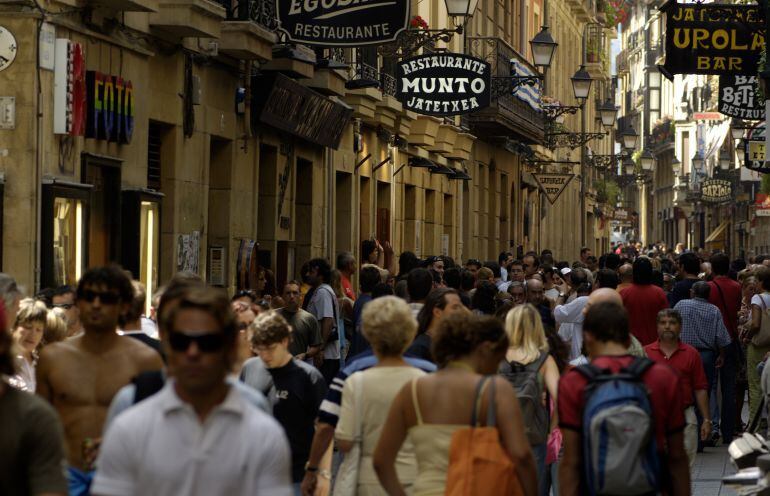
738 97
69 91
754 149
443 84
761 205
716 190
553 184
713 38
110 113
343 23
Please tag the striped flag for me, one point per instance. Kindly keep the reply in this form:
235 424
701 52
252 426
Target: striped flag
529 94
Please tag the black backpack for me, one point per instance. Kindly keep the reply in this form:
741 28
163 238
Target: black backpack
529 390
147 384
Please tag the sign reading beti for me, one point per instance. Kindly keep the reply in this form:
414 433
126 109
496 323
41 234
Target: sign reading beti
346 23
443 85
738 97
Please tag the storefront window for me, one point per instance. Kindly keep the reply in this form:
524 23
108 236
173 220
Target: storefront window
68 224
149 230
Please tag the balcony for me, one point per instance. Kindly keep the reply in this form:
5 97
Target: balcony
189 18
249 31
122 5
621 62
506 115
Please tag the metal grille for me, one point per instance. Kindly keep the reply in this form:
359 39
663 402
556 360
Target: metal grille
259 11
153 156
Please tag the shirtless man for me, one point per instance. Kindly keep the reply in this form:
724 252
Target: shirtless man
79 376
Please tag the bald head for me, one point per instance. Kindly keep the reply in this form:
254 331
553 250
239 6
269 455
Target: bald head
603 295
535 293
626 273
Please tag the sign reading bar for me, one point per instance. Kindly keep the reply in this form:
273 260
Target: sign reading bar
738 97
345 23
287 105
754 149
110 102
716 190
443 84
553 184
713 38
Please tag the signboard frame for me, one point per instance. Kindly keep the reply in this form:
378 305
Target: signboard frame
739 97
552 196
722 186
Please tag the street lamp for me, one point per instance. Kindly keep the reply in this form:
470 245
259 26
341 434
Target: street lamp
581 84
676 166
461 8
737 127
629 166
724 160
697 161
648 160
543 47
608 113
629 138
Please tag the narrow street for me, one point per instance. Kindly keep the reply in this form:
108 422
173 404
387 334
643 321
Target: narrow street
710 467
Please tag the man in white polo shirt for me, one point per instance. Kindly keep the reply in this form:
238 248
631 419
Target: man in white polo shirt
195 437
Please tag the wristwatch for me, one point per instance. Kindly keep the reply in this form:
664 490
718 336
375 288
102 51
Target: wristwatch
310 469
562 295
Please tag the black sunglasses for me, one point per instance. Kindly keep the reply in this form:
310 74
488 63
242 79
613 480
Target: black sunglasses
106 297
206 343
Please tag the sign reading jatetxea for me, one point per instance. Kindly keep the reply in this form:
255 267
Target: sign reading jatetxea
443 84
344 23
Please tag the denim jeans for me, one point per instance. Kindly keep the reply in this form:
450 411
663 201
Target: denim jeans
540 453
727 376
709 359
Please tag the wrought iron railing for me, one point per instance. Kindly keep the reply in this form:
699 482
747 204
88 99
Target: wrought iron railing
261 12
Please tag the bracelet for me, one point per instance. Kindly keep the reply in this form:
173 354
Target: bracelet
325 474
310 469
708 420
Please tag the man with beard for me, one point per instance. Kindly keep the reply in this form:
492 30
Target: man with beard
685 359
80 376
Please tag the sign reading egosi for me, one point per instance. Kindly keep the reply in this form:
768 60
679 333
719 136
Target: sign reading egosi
443 84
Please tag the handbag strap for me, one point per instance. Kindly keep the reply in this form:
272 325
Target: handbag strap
724 302
477 401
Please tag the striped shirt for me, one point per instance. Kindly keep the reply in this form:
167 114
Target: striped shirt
702 325
329 412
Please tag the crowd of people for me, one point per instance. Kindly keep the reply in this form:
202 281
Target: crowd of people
602 376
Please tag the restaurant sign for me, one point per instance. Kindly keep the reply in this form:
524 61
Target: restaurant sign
716 190
443 84
754 149
553 184
738 97
713 38
761 205
343 23
110 101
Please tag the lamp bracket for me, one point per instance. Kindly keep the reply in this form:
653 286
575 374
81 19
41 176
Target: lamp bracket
505 85
410 41
603 161
570 140
553 112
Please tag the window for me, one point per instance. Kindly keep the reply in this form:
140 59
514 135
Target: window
64 234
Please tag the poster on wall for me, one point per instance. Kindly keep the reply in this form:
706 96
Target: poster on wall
713 38
738 97
445 84
188 252
343 23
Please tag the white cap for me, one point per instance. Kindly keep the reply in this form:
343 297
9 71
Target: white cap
565 271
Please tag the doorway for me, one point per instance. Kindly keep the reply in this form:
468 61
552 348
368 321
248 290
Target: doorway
104 214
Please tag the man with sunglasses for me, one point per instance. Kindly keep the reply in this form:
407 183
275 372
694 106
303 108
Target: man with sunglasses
64 297
80 376
191 437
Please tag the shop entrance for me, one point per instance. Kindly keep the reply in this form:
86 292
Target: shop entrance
104 214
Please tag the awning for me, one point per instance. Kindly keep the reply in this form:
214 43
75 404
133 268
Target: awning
716 234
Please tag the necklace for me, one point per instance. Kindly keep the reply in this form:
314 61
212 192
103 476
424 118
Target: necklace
456 364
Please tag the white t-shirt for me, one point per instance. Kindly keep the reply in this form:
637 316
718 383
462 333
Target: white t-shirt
159 447
323 304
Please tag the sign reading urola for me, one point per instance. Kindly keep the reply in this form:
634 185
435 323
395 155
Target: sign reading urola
443 85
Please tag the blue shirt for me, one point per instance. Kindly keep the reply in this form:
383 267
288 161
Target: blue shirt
359 344
702 325
329 413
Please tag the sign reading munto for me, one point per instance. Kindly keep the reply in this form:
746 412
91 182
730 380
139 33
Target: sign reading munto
713 38
443 84
346 23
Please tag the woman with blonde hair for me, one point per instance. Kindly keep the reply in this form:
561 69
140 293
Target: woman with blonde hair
388 325
28 337
528 363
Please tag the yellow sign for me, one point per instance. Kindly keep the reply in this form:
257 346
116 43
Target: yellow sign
757 151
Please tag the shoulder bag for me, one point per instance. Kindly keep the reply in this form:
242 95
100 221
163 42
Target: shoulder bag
346 482
762 338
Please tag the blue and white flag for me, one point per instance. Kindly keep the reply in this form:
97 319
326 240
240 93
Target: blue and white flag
529 94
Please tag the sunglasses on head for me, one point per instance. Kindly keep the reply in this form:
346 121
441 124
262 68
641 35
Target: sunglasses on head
206 343
106 297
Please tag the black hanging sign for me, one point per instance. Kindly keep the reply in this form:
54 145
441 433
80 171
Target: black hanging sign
443 84
738 97
713 38
716 190
343 23
754 149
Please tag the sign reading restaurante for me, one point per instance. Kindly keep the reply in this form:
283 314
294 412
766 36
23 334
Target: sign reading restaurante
345 23
716 190
738 97
713 38
443 84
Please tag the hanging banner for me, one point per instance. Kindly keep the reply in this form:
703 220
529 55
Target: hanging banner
343 23
713 38
443 84
716 190
69 93
754 149
553 184
738 97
